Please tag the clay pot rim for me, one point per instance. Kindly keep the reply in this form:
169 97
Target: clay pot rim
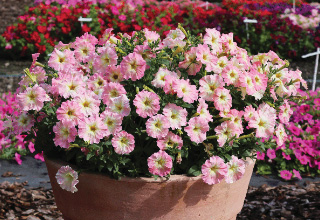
173 178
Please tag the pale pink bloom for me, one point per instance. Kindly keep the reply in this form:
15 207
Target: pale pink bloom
108 56
212 38
37 73
17 157
71 86
246 83
113 122
285 113
112 90
260 81
176 34
8 46
120 105
225 132
236 169
69 111
185 90
170 141
208 84
92 129
160 163
169 83
190 63
157 126
96 83
197 129
144 51
249 112
147 103
205 56
236 118
61 60
89 38
105 36
159 80
281 135
88 103
176 115
219 65
228 45
214 170
65 133
231 75
133 66
83 50
222 99
151 36
123 142
22 123
67 178
33 98
264 121
113 73
203 111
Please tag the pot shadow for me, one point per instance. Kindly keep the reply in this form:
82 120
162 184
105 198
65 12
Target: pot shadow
161 202
196 192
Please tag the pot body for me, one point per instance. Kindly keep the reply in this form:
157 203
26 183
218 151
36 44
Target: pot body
101 198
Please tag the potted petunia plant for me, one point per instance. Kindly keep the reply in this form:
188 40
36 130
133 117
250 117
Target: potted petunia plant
139 109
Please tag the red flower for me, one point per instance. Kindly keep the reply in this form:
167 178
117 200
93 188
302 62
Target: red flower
85 28
42 29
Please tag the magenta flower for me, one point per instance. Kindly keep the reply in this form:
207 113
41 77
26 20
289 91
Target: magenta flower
271 153
296 174
260 155
286 174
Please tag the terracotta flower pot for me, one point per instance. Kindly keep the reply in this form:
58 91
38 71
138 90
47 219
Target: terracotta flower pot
180 197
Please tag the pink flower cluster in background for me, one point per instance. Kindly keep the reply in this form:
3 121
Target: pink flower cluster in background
13 146
301 152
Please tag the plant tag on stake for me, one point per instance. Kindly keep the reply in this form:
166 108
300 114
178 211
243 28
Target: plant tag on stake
81 19
315 67
246 21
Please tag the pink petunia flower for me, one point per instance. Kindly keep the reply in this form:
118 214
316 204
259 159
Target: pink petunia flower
67 178
157 126
285 174
69 111
260 155
281 135
65 133
123 143
17 157
236 169
286 156
170 141
92 129
61 60
112 121
159 80
113 73
147 103
203 111
208 84
176 115
133 66
271 153
120 105
214 170
112 90
222 99
296 174
160 163
285 113
190 63
224 132
33 98
185 90
196 129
